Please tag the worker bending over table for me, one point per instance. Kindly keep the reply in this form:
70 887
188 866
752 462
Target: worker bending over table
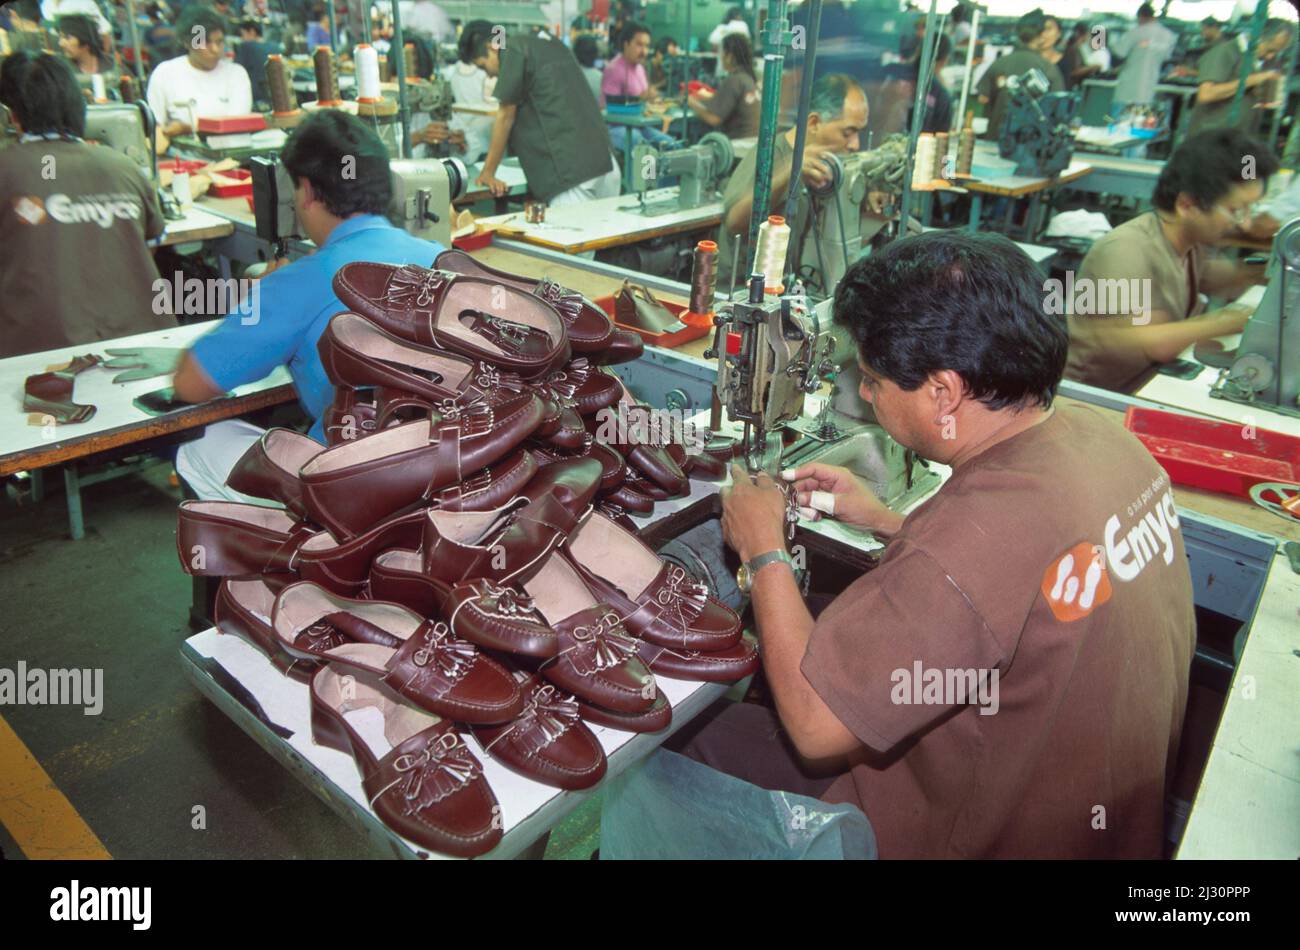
202 83
344 215
1145 280
1219 72
75 219
547 117
1048 573
837 112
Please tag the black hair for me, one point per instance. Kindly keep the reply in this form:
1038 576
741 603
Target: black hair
585 50
1207 164
41 91
1030 26
27 9
251 25
1080 31
86 32
662 44
344 160
950 300
629 32
736 45
199 16
1211 21
733 13
1274 26
1146 10
475 37
943 49
829 94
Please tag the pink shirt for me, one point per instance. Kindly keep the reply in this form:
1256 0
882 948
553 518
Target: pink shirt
621 78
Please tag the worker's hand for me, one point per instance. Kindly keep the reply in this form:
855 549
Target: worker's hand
816 173
878 201
1239 315
173 129
834 492
753 514
1268 75
492 183
434 133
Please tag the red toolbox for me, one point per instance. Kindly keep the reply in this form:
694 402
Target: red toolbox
1225 457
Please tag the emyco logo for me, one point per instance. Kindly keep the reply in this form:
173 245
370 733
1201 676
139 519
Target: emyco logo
30 210
103 903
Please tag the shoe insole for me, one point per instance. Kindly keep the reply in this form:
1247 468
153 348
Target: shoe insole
258 516
557 591
302 605
472 528
253 596
381 723
289 450
394 441
608 551
361 335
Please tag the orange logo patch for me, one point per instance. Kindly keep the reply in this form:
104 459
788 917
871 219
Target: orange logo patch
29 210
1077 583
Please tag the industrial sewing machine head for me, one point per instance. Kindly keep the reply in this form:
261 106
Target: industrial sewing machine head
782 357
701 168
1037 132
1266 369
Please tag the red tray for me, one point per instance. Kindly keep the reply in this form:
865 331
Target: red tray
1215 456
232 184
666 340
187 165
473 242
226 125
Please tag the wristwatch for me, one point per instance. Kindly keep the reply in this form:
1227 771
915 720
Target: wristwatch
745 573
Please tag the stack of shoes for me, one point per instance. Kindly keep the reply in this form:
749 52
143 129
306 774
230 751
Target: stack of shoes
453 574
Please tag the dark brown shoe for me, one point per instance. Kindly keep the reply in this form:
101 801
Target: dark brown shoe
269 469
417 773
722 666
623 347
243 609
655 719
231 539
353 486
473 316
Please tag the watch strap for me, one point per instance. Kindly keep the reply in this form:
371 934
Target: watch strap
754 564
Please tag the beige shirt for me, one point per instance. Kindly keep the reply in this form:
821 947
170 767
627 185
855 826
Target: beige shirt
1054 558
1132 277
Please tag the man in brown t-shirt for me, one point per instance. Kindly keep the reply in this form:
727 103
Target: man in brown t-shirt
1010 681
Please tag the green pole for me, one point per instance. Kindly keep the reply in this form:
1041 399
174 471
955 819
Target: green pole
1248 60
775 39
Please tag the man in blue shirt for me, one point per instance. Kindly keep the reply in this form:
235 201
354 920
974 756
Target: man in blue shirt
342 190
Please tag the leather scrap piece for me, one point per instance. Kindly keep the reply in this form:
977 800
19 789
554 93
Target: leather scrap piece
50 393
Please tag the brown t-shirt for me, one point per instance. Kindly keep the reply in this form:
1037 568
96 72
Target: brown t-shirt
736 103
74 219
1131 277
999 571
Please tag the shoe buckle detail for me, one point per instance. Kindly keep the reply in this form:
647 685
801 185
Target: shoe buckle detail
451 657
413 285
443 766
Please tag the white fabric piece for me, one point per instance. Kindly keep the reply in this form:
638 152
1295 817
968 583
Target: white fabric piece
1080 223
206 462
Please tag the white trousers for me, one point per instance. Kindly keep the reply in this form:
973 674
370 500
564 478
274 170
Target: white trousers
602 186
206 462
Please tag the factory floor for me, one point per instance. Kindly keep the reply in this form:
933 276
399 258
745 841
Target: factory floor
131 776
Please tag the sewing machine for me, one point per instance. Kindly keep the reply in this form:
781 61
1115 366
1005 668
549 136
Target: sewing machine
125 128
701 168
1037 132
1266 369
839 230
423 190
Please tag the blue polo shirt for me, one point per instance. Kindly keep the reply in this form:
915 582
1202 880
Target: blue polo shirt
296 303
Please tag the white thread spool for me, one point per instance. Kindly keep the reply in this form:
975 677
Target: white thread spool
97 87
769 258
181 190
367 66
923 161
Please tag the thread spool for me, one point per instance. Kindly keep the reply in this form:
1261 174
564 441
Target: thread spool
277 77
769 258
940 153
98 92
408 57
704 280
367 69
966 145
126 88
385 68
923 160
327 82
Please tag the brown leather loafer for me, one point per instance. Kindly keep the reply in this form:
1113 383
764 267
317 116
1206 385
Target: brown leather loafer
231 539
243 609
588 326
476 317
629 499
417 773
596 391
353 486
269 469
658 601
723 666
655 719
350 416
624 346
612 467
548 741
418 659
344 566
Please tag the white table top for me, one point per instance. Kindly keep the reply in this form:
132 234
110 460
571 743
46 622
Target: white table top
95 386
196 220
1248 803
605 222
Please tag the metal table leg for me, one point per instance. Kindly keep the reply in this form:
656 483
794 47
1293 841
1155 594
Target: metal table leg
72 491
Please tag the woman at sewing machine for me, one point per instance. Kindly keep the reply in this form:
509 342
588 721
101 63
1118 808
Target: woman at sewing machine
733 109
80 41
1140 296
